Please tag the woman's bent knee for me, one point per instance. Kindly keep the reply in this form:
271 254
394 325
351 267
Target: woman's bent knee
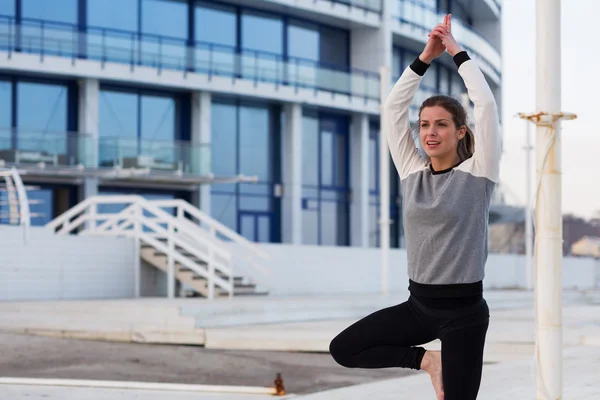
341 353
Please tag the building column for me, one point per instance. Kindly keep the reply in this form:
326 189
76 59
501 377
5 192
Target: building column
292 177
359 155
88 127
201 135
88 121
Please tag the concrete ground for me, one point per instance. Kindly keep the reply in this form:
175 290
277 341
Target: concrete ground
225 357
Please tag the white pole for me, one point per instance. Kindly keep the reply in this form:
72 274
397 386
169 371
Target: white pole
548 222
528 220
384 184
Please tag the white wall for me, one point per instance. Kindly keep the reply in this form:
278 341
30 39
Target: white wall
299 270
64 267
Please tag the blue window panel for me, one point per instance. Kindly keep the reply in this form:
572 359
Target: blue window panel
7 7
255 143
101 14
168 19
264 229
310 192
42 107
216 33
224 142
5 104
165 18
247 226
328 158
310 150
118 114
310 226
41 213
333 224
56 10
215 23
256 189
224 209
373 164
374 230
262 46
303 40
334 46
397 66
158 118
255 203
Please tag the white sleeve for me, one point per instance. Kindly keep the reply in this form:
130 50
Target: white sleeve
402 147
488 140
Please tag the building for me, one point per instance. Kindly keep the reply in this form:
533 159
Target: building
586 247
178 99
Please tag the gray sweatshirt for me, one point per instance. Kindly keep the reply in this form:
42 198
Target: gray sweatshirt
446 214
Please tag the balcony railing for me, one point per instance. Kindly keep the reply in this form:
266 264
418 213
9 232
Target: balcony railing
423 17
156 155
22 146
165 53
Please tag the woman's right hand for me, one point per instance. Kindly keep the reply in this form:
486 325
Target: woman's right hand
433 49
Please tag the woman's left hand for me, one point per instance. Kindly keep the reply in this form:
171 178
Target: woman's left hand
444 32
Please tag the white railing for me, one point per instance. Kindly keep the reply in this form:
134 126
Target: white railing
180 240
18 204
246 255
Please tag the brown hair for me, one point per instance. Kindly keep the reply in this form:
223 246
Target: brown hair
466 145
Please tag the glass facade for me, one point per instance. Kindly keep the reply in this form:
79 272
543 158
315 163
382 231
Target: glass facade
325 179
246 136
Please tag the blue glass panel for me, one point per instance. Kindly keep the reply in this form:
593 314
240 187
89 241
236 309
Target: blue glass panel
260 189
158 118
223 209
224 143
165 18
5 104
334 46
373 164
7 7
118 114
101 14
254 203
333 224
118 126
328 158
303 40
55 10
41 213
247 228
396 63
262 32
215 23
42 107
254 147
373 225
310 192
310 227
264 229
262 44
310 150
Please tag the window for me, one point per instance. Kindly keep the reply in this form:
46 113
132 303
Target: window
303 41
5 104
334 47
7 8
164 30
325 191
141 125
216 33
101 14
375 194
262 46
55 10
245 138
42 107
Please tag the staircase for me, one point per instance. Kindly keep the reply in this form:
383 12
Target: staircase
190 247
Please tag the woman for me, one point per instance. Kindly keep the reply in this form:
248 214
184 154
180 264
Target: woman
446 204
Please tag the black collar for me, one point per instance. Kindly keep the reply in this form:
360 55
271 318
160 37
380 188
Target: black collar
434 172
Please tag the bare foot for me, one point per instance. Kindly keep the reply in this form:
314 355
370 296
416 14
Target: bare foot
432 364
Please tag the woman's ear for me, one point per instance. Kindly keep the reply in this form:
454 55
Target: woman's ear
462 132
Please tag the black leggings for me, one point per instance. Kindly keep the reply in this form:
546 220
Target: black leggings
386 338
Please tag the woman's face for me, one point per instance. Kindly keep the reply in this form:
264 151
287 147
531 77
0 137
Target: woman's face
438 133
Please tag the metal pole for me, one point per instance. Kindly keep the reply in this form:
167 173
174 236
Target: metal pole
528 220
548 222
384 184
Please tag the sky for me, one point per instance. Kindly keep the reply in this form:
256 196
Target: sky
580 80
